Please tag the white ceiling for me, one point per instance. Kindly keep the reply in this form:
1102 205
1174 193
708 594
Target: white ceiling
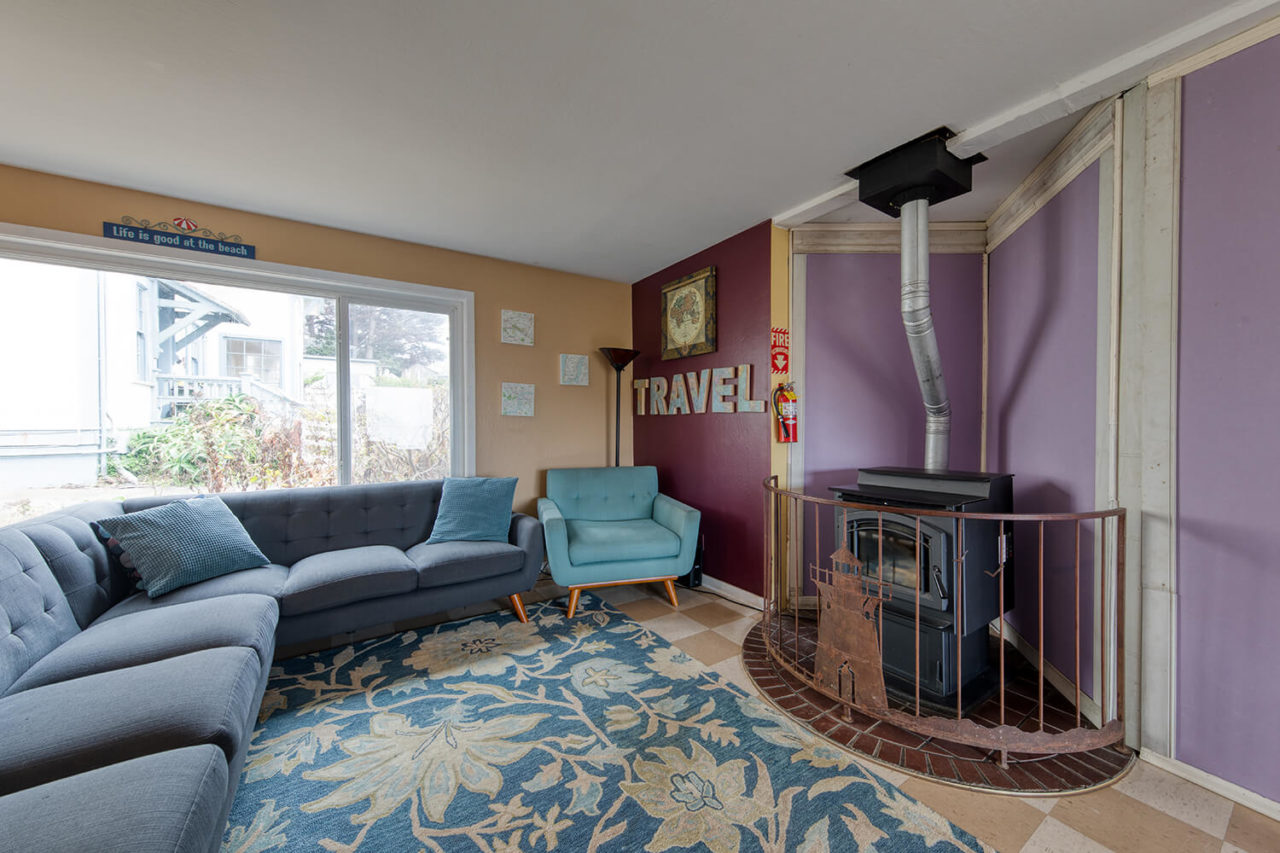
596 136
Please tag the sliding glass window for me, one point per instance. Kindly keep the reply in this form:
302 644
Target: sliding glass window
119 383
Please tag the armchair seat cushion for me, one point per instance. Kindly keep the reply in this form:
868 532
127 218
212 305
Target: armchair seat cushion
611 541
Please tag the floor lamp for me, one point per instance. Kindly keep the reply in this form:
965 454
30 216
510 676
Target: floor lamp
619 358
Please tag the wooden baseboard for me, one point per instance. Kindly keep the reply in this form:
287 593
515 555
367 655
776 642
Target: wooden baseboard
733 593
1230 790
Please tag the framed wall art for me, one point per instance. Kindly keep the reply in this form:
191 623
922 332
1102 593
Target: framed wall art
689 315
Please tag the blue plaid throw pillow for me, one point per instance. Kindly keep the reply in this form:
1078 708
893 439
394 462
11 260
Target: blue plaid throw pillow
476 509
183 542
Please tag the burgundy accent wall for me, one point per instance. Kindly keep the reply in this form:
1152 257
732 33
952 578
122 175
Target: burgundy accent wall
714 461
862 403
1228 410
1043 288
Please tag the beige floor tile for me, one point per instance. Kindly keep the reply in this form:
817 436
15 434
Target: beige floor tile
1005 823
709 647
673 626
1054 836
1041 804
1188 802
712 615
1228 847
617 595
736 630
732 669
1129 826
1253 832
688 598
646 608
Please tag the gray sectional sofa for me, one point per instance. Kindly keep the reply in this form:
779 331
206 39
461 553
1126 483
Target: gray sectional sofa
125 720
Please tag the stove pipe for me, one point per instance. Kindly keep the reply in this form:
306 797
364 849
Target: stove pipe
917 319
904 182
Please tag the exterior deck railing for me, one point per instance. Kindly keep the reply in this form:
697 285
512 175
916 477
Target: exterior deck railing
1037 706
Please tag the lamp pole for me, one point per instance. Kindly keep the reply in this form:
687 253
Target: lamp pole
619 358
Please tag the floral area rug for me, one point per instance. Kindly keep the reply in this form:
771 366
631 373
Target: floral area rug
576 735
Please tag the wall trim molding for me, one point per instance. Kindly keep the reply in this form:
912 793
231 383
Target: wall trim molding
44 245
1082 145
734 593
1111 77
1216 784
1221 50
831 238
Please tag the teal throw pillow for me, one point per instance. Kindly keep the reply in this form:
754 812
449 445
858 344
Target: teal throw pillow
183 542
475 509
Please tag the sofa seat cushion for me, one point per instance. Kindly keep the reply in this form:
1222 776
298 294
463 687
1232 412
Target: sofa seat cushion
610 541
159 633
206 697
445 563
171 801
340 577
267 580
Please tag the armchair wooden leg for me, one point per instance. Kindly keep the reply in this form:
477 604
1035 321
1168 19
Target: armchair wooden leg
574 592
517 604
670 584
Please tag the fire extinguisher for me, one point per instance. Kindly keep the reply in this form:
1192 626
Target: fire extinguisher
786 406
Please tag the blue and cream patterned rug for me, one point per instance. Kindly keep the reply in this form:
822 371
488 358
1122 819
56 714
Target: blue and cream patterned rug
575 735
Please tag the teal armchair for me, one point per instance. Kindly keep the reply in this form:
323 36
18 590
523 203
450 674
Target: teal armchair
610 526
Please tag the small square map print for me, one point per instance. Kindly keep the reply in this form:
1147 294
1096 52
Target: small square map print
573 370
517 399
517 327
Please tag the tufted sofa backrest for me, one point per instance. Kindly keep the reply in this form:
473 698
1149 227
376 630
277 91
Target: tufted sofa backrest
78 558
603 494
34 615
290 524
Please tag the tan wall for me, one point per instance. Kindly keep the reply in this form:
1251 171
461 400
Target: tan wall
574 314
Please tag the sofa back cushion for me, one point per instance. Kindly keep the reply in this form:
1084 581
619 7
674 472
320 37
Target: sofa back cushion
35 617
604 494
290 524
87 575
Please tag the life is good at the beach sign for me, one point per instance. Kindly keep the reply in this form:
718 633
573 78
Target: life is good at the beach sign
178 233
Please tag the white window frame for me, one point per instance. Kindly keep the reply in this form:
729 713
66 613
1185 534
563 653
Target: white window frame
44 245
225 356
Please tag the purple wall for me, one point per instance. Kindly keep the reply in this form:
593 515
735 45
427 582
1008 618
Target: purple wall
1228 408
1043 283
715 462
862 404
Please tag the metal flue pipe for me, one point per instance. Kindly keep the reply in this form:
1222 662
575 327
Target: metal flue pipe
918 320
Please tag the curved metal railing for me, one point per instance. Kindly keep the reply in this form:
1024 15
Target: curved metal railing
1037 705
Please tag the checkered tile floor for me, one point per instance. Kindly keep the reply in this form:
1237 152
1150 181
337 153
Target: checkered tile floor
1148 810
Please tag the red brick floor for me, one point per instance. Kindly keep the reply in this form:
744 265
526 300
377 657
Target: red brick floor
948 762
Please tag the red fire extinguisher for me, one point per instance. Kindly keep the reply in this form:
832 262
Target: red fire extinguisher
786 406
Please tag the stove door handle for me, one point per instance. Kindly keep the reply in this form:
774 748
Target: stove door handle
936 572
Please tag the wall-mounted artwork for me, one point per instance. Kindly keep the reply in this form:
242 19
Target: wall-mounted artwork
573 369
517 328
517 399
689 315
